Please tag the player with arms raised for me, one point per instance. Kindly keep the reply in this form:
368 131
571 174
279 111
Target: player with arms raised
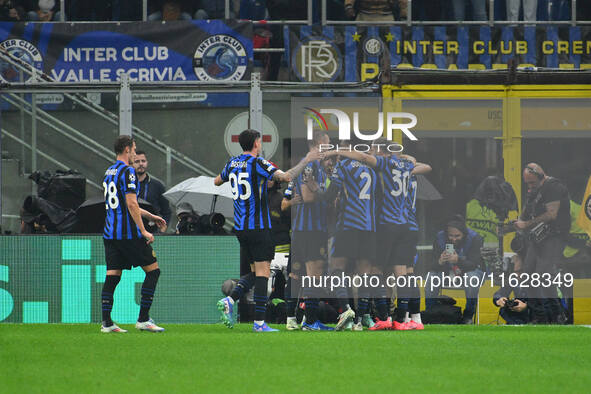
248 175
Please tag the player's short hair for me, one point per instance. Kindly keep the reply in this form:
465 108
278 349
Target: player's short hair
317 136
122 142
247 139
140 152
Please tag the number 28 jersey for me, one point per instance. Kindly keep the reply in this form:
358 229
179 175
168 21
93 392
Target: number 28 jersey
248 177
120 179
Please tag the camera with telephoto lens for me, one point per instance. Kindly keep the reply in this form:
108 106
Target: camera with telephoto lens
518 244
188 224
539 232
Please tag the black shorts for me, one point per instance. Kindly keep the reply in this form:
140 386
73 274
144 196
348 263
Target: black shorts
398 245
308 246
355 245
255 245
123 254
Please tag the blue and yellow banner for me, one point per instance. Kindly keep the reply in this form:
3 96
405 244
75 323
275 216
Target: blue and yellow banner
354 53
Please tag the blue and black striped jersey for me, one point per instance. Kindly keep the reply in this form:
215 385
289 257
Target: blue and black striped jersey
357 207
120 179
394 178
410 205
288 193
309 216
248 177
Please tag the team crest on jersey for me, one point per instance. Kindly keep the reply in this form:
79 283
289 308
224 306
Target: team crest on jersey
220 58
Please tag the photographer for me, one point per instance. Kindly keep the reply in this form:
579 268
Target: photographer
515 310
456 251
545 221
188 220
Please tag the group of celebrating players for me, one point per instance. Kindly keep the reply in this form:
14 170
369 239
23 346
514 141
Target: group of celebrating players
355 215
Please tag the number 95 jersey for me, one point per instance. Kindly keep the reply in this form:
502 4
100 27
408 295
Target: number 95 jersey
120 179
248 177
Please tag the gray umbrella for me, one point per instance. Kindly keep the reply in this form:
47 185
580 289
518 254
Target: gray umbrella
203 196
426 190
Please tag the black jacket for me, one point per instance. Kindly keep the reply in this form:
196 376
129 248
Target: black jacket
512 317
152 191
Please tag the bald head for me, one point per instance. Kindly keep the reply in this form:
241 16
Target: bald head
533 176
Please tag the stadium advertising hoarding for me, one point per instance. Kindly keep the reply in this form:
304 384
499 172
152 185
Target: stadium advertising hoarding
58 279
354 53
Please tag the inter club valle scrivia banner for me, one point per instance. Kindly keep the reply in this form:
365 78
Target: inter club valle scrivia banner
151 51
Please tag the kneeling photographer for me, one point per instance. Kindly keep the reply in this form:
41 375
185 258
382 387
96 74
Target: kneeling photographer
513 310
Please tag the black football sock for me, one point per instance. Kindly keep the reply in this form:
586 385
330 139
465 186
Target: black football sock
311 303
260 298
382 308
148 290
382 301
109 286
243 286
362 309
340 292
311 310
414 302
291 301
402 303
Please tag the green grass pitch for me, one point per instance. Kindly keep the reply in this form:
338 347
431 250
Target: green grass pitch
211 358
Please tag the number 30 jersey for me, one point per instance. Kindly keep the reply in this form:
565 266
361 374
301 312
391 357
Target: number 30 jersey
120 179
248 177
395 179
357 205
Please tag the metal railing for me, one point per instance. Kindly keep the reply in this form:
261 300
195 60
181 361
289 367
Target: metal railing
85 103
45 156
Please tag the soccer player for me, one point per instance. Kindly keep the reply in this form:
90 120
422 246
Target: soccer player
248 175
309 233
355 237
409 245
293 276
392 228
127 243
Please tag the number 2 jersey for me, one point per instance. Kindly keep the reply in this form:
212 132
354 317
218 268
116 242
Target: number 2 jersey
248 177
357 206
120 179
